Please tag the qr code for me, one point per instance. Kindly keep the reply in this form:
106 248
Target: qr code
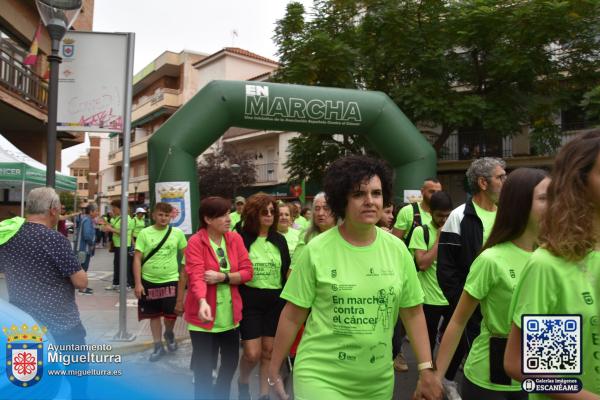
551 344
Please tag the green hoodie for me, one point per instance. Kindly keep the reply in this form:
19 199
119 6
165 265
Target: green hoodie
9 227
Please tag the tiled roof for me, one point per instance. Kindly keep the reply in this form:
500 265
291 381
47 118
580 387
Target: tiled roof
237 50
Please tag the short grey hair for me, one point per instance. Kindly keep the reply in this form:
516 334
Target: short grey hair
482 167
41 200
90 208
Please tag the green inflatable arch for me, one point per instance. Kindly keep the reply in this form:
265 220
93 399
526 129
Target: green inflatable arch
173 149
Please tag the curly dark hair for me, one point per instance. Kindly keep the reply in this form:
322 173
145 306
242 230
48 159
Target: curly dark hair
251 213
346 174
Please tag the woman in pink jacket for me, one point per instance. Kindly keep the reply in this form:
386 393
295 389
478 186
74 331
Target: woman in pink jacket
216 262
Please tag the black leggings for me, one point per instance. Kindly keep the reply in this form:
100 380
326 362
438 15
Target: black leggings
203 362
470 391
117 268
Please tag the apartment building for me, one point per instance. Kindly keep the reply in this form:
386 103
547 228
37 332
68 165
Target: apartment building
160 89
80 168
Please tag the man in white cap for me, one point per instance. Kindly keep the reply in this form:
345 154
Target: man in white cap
237 214
139 222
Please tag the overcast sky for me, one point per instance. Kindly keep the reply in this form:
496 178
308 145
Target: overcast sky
204 26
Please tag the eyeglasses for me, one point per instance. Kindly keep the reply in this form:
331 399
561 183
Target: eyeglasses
267 211
222 260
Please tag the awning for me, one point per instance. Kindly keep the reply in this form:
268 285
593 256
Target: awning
16 166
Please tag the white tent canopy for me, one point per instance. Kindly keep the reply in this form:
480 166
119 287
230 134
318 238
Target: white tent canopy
17 168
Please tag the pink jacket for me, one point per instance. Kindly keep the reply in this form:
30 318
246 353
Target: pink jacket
200 257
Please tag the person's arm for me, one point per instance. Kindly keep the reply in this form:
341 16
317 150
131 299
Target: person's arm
245 270
399 233
137 274
466 307
195 269
413 319
425 259
79 279
291 319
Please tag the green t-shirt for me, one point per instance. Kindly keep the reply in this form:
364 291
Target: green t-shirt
163 266
115 222
552 285
224 309
138 225
405 218
266 261
428 278
487 219
492 280
235 218
292 236
354 294
302 223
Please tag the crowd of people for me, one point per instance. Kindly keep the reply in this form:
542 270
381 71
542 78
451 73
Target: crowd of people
334 290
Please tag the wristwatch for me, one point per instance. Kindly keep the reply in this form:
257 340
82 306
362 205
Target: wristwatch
226 280
426 365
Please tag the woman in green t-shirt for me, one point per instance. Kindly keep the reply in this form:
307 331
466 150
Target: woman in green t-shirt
355 279
268 251
490 283
561 277
284 226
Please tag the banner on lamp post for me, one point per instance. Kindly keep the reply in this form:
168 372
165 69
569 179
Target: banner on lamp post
92 79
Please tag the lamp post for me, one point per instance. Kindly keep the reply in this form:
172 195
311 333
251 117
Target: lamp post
58 16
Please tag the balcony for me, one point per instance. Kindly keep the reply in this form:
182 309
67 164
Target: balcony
18 79
167 98
138 149
137 184
266 172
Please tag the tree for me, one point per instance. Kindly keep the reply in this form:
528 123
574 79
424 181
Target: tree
489 66
67 199
218 176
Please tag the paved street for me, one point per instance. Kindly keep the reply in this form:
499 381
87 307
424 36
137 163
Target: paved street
100 313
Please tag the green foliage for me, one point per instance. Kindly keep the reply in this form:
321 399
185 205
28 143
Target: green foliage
492 64
591 104
545 139
66 199
216 177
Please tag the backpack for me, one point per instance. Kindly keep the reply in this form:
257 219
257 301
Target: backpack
426 239
416 222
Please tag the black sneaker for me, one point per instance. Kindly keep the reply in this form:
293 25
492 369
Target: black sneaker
158 352
170 339
244 391
87 291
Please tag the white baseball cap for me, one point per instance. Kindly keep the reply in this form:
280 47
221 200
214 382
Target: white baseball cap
140 210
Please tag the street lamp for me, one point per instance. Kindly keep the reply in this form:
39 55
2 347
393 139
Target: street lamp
58 16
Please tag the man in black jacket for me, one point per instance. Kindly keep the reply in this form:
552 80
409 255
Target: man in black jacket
462 237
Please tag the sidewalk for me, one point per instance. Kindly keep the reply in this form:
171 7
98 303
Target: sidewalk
100 311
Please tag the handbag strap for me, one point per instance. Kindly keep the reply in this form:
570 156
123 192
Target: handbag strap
157 248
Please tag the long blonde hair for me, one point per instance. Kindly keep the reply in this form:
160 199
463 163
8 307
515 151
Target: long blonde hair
567 227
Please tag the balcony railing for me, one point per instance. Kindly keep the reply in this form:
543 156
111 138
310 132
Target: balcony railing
466 146
19 79
266 172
